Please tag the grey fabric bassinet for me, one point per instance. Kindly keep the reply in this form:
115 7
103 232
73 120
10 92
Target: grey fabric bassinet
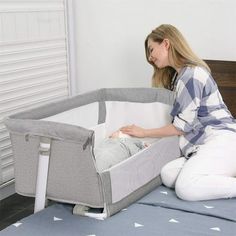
67 131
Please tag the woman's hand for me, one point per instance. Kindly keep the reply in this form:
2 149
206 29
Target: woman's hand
134 130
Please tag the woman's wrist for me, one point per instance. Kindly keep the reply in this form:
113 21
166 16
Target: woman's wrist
168 130
145 133
150 133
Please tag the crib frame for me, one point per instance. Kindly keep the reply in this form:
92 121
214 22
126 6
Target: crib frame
55 161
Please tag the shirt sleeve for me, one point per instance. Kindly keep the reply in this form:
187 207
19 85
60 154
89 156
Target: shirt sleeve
187 103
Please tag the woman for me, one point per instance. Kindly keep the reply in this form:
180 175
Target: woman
206 129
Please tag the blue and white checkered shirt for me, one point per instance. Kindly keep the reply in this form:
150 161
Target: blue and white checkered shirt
198 106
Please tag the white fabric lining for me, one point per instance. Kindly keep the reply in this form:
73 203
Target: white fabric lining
85 116
148 115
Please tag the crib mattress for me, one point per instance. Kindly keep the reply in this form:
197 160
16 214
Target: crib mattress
158 213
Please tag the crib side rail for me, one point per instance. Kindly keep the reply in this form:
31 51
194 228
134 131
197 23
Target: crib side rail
72 175
138 175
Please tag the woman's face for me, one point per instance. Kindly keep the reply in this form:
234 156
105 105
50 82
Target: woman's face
158 53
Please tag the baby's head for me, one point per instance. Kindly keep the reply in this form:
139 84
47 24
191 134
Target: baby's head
119 134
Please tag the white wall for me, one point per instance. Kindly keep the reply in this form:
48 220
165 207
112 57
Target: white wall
110 36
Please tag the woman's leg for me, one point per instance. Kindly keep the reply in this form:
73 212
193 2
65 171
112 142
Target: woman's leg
170 171
210 174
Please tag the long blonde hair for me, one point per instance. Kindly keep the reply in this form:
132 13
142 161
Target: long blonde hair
179 53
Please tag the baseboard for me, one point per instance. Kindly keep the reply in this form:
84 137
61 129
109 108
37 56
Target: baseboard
7 189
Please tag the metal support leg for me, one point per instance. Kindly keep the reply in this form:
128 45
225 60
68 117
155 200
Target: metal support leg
42 176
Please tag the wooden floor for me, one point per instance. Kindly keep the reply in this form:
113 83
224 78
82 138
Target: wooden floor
14 208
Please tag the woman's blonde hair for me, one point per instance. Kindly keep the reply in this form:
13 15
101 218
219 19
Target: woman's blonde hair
180 54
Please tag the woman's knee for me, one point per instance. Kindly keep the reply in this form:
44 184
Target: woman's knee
186 189
170 172
167 177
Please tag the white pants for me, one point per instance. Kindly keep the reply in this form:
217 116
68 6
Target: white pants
209 174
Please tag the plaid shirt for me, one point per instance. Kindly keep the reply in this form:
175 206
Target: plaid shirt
198 107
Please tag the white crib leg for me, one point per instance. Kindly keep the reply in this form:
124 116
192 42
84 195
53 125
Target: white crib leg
42 176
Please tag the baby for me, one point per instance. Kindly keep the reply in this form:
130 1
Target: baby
116 148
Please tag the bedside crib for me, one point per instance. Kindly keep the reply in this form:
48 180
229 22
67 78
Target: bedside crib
53 148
